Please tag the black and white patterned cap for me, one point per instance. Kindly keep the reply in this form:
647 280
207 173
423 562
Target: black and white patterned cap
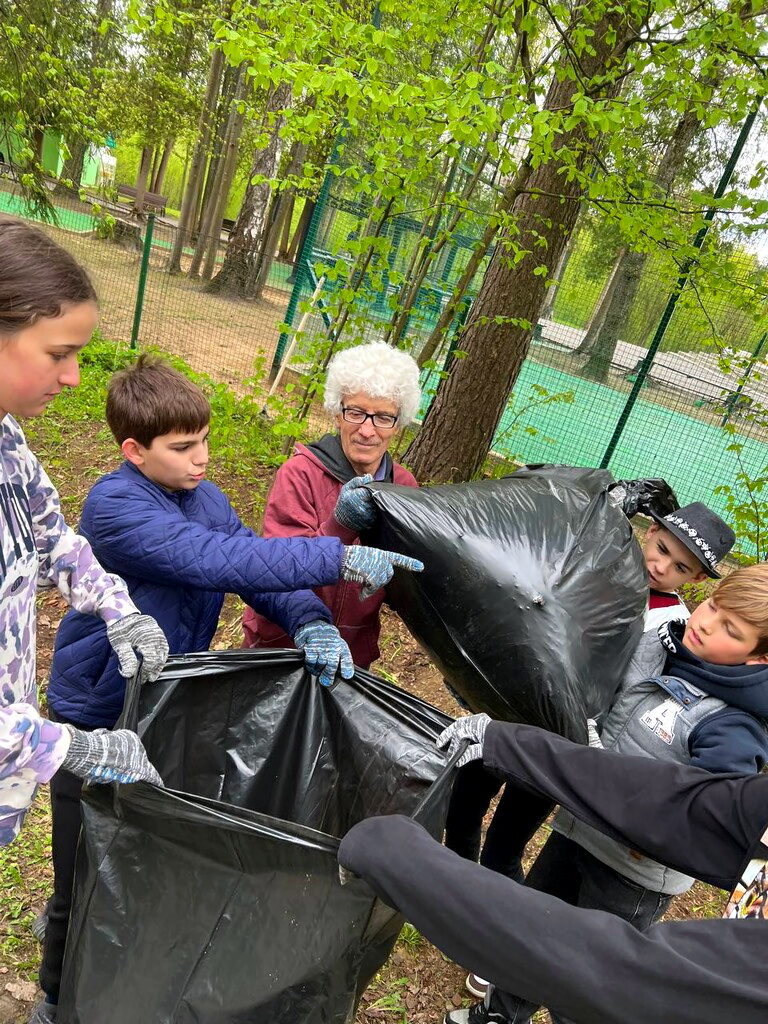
705 534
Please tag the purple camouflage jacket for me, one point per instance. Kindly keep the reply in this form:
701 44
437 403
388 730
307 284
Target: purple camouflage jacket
37 549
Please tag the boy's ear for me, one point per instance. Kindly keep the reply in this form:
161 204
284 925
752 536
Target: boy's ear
133 451
653 528
760 659
699 577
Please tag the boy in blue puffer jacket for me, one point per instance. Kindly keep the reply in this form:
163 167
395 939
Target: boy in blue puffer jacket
180 547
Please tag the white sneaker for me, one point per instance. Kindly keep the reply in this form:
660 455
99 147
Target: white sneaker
476 985
477 1014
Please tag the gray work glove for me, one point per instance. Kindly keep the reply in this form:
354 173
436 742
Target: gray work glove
374 568
354 505
325 652
107 756
141 634
594 735
471 728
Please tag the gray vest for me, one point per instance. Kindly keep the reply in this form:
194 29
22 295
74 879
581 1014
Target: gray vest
650 717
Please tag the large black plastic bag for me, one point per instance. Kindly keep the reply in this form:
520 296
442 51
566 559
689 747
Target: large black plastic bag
533 593
218 899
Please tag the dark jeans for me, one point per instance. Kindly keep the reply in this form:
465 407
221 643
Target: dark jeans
566 870
65 832
517 817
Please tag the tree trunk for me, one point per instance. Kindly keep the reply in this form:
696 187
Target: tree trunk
285 238
72 169
631 264
197 170
623 289
598 314
277 216
141 181
297 242
218 140
459 427
38 138
210 233
559 274
240 269
280 222
158 176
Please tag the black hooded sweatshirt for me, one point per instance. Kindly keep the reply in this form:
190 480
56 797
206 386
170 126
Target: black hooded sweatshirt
587 965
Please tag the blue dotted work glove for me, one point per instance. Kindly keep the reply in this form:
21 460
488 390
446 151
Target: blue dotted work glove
107 756
374 568
471 728
137 633
325 652
354 506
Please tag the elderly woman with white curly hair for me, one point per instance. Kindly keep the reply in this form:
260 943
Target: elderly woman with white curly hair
373 392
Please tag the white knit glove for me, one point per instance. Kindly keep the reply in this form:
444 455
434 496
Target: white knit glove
107 756
594 735
471 728
138 633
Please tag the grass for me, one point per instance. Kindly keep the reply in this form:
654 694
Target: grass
25 883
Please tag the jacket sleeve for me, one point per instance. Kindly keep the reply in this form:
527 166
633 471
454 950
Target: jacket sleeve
586 965
291 512
65 559
729 741
141 538
698 823
31 751
289 611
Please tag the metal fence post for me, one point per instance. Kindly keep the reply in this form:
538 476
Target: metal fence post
146 252
682 280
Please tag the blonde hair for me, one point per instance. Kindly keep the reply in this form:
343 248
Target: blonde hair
745 593
379 371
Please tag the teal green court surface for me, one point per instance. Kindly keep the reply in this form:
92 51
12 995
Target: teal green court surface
657 442
72 220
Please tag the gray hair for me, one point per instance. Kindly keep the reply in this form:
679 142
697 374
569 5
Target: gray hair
378 370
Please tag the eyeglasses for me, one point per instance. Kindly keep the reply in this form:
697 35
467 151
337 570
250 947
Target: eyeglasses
382 420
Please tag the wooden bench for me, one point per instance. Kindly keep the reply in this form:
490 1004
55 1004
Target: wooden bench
151 199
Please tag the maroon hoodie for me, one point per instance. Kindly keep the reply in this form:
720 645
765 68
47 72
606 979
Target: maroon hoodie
301 504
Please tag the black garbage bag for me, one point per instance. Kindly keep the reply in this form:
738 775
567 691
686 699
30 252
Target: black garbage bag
218 899
653 495
632 496
533 593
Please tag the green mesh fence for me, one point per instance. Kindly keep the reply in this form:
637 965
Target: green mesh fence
569 397
227 337
688 416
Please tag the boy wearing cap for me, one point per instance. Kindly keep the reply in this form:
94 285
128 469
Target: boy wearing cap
682 547
696 693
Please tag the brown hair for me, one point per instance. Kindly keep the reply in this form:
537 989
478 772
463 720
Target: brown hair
745 592
150 398
38 278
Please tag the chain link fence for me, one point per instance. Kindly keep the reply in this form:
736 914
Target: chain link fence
697 421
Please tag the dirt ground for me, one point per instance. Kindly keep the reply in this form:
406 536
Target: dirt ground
418 984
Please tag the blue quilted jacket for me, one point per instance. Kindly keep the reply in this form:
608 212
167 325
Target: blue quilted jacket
179 553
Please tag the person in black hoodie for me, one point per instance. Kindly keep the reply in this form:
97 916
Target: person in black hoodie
589 965
696 693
